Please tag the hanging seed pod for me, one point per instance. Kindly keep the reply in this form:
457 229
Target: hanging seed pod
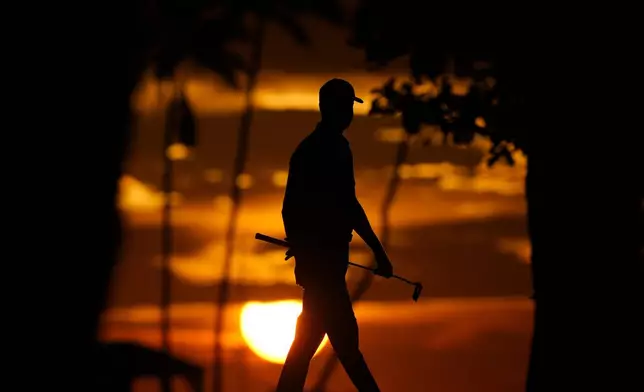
172 117
463 135
187 123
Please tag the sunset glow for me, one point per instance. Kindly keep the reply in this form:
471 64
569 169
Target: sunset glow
268 328
274 92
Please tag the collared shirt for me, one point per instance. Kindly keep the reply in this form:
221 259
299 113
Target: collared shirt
319 202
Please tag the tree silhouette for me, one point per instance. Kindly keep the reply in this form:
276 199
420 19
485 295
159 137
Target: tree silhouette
560 81
251 18
226 21
180 127
520 98
459 118
164 34
201 32
153 33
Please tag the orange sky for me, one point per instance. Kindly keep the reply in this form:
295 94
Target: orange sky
275 91
460 231
291 74
435 191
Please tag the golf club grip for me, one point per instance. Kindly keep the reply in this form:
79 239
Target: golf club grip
275 241
285 244
271 240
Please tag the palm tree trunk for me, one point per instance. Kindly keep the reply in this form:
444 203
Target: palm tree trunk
235 195
394 183
367 278
166 244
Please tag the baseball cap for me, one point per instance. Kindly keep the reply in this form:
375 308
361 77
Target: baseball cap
338 90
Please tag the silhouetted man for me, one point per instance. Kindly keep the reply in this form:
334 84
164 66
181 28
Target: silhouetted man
320 212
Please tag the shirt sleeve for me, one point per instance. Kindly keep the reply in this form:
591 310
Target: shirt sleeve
303 190
320 192
349 174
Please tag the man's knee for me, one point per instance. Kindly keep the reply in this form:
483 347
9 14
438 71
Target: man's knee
308 336
349 354
345 342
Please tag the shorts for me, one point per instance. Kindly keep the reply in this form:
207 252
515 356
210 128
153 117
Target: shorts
322 266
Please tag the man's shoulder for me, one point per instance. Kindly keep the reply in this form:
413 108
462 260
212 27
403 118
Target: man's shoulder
316 146
301 147
310 144
345 144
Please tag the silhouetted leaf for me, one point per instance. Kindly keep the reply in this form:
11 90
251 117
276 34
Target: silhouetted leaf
445 92
411 122
380 107
432 114
505 153
388 88
426 63
375 108
493 159
187 123
226 64
295 30
172 52
463 136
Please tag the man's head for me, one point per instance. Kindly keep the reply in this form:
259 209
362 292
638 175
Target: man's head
336 103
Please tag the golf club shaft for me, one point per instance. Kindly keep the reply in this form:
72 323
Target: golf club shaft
285 244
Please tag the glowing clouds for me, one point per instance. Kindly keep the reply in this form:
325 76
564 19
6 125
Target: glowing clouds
135 195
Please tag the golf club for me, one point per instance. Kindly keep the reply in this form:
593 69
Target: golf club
418 287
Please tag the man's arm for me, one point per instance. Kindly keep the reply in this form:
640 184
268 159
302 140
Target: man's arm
359 218
365 231
299 214
363 228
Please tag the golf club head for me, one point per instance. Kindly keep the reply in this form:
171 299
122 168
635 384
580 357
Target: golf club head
418 288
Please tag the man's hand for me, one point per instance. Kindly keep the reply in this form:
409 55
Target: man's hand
289 251
384 267
294 248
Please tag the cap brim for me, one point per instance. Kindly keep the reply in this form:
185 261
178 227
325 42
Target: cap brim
359 100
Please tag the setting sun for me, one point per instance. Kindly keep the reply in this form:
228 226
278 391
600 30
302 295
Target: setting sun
268 328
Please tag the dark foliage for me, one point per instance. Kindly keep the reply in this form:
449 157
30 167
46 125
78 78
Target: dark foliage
542 78
202 31
437 54
458 117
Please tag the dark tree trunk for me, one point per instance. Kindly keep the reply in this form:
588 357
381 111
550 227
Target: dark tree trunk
97 65
241 157
99 229
585 273
584 196
167 242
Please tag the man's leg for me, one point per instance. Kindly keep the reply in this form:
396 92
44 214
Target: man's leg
342 328
309 334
